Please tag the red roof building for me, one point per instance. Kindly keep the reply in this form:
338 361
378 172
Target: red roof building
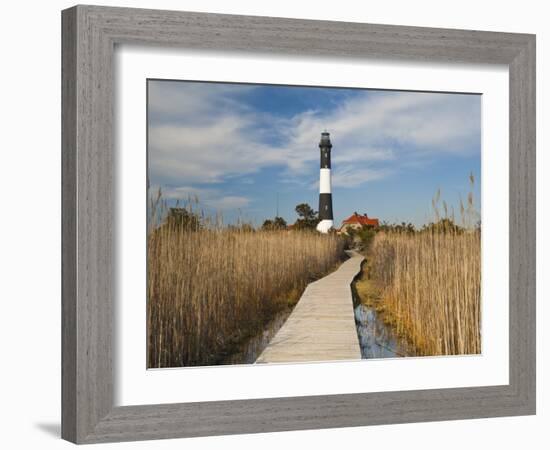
357 221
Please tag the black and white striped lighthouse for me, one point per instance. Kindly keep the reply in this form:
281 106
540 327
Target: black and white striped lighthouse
325 192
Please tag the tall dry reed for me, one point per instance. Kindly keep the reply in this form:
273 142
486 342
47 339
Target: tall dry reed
209 288
431 288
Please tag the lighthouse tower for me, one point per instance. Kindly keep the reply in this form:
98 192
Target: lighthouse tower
325 192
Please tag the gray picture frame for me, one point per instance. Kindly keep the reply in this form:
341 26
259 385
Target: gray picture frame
90 34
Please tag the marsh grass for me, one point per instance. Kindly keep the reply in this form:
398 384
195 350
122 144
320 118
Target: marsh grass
431 288
428 282
212 286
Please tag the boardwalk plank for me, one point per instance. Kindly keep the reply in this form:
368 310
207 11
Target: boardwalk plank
322 325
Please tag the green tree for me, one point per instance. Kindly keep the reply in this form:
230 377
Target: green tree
308 217
366 234
305 211
278 223
183 218
267 225
360 237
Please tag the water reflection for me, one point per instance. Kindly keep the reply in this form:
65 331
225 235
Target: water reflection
376 339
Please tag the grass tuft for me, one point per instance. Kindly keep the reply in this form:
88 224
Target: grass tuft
431 288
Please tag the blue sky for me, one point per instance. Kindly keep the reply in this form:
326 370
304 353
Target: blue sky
237 147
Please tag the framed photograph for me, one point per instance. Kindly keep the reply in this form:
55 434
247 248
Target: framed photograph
278 224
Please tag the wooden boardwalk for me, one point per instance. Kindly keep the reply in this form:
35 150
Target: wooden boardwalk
322 325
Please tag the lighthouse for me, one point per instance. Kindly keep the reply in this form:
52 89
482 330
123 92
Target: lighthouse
325 192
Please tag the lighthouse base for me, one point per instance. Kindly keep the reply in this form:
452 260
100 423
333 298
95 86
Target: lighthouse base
324 226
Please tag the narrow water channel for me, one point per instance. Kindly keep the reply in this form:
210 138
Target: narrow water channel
376 338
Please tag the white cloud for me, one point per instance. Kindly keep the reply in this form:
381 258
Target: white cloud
423 122
350 176
170 101
208 153
202 133
210 198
